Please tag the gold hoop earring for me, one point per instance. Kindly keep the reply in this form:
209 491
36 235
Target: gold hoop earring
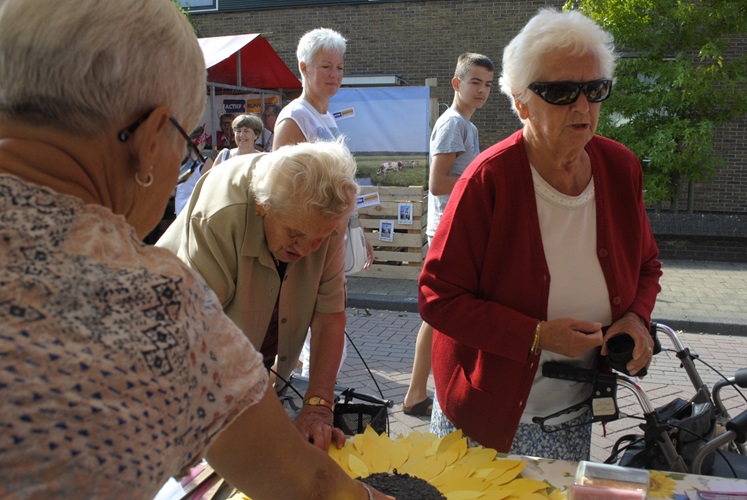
145 184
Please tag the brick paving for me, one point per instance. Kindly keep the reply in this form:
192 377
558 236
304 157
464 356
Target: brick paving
705 299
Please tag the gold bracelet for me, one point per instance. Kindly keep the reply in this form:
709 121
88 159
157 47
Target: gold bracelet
535 343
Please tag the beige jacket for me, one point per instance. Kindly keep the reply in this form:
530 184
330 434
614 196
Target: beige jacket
220 235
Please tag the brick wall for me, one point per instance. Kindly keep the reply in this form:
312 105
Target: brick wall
422 39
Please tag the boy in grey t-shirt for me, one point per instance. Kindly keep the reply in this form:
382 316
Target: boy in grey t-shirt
454 144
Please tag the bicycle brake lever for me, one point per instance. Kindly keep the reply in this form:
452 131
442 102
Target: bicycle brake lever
604 398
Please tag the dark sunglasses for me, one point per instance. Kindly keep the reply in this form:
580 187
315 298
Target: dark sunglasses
564 93
192 161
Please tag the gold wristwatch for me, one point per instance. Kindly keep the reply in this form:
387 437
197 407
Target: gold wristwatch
317 401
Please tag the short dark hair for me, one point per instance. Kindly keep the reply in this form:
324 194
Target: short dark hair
469 59
272 108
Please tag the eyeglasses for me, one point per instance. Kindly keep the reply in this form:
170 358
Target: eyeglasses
192 161
564 93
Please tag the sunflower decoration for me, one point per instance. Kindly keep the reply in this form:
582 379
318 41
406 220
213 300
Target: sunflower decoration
458 472
660 485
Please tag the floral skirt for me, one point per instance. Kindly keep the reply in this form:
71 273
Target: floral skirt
572 443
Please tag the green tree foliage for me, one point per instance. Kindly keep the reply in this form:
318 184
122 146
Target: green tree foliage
189 18
677 80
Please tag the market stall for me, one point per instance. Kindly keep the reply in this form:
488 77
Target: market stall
246 69
460 472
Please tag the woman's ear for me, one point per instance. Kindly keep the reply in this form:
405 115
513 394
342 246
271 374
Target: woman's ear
302 67
147 140
522 109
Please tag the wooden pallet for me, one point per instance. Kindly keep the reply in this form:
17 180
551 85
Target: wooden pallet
401 258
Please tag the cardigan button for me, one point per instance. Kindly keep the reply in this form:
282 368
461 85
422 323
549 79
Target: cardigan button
603 252
616 300
283 358
284 320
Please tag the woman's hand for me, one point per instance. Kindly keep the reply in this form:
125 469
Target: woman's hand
370 253
315 425
643 352
570 337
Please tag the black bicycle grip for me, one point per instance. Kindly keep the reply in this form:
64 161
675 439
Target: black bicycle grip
740 378
553 369
738 425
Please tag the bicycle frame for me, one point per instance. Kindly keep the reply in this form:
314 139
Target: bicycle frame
656 430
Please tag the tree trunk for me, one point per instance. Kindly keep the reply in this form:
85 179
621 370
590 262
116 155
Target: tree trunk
674 206
690 196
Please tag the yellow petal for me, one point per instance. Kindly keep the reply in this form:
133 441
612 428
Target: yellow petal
531 496
425 469
342 458
504 478
417 438
451 475
496 492
358 442
450 439
383 441
524 486
454 452
357 466
420 449
375 456
477 457
399 454
239 496
557 495
466 484
370 432
501 471
337 454
464 495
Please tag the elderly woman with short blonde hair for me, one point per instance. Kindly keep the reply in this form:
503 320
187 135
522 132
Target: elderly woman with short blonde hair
265 231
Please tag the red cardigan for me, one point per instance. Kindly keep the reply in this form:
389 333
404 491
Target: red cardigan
485 282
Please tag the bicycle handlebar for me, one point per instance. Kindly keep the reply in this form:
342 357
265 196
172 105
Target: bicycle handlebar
562 371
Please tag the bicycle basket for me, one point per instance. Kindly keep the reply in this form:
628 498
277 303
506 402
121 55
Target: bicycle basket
353 418
689 425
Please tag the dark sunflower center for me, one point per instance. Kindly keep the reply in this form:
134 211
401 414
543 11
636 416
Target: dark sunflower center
403 486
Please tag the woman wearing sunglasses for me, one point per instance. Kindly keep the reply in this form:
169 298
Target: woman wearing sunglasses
118 368
545 240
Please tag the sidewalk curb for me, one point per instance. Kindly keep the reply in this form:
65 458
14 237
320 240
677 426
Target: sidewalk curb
410 304
386 302
708 327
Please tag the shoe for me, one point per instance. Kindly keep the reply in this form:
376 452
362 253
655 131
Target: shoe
422 409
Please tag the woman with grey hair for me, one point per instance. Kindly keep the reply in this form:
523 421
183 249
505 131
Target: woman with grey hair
544 241
320 54
119 368
265 231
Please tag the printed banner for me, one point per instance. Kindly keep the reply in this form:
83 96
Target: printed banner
234 105
383 119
